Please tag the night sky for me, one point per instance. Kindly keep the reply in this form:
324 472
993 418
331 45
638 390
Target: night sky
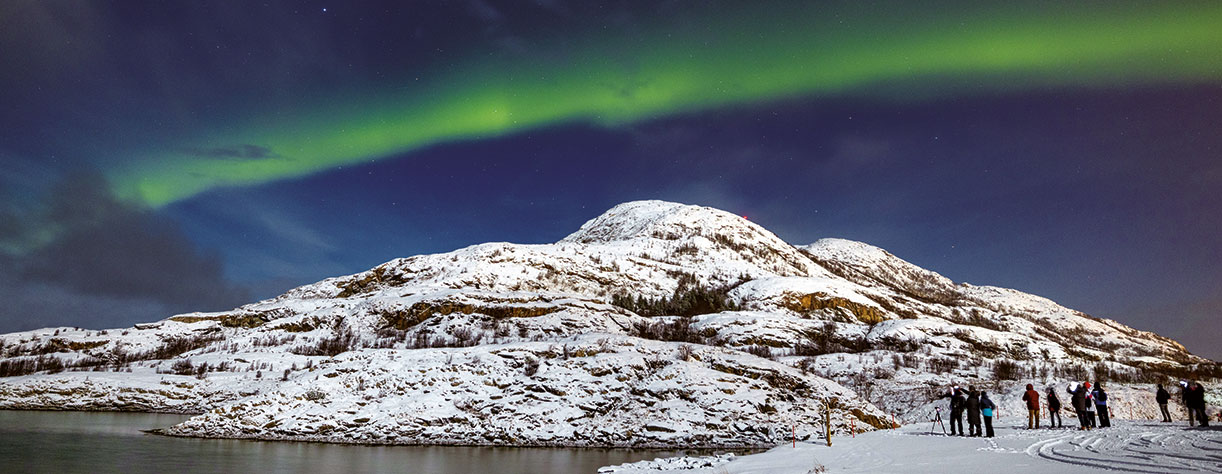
162 157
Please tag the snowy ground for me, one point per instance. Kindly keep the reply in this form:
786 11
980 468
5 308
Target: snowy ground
1141 446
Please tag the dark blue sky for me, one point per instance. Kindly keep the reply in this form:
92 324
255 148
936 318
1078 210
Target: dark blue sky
1101 196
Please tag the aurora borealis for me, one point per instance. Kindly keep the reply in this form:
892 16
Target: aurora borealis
736 57
228 151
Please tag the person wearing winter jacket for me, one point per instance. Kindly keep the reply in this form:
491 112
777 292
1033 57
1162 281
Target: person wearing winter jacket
1090 404
986 409
956 409
1105 414
1184 390
972 405
1105 418
1032 398
1078 400
1196 404
1162 397
1054 409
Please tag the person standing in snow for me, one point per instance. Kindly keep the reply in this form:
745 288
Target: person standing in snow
986 409
1184 398
1032 398
956 409
1162 397
1078 400
1105 418
1090 404
1196 404
973 412
1054 409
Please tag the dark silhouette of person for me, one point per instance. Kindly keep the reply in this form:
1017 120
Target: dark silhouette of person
986 409
1054 409
1162 397
956 410
972 406
1100 396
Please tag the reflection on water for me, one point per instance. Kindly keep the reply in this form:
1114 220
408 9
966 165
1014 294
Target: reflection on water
69 442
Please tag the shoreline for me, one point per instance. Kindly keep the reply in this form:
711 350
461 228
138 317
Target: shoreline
701 450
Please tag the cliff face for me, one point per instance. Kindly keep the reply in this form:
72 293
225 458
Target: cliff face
655 324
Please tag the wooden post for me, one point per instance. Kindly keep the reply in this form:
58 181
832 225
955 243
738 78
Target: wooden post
828 420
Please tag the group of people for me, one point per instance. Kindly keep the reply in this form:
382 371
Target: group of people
978 407
1090 404
1193 396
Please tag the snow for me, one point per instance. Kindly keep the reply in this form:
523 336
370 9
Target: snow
763 290
590 391
877 263
1138 446
906 333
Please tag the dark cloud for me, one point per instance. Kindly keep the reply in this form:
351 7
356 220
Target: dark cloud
235 152
102 262
32 305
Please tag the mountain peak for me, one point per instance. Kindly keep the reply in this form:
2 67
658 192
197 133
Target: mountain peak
660 219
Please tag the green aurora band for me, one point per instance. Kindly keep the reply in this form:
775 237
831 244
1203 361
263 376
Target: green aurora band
737 57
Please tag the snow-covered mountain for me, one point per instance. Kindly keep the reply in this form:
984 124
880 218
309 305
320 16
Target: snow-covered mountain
654 324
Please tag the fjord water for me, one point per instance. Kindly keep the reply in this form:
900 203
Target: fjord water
71 442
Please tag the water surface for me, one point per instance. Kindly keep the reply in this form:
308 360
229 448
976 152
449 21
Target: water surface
71 442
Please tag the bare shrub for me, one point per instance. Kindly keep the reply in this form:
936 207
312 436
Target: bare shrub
686 351
182 367
531 367
1005 369
29 365
758 351
942 365
342 341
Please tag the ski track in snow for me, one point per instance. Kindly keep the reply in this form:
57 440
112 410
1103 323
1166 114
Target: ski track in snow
1135 451
1147 447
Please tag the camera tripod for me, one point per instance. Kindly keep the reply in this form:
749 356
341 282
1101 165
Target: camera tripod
937 420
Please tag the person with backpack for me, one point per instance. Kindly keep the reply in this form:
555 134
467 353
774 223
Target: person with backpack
1032 398
1054 409
1162 397
986 409
1100 396
1078 400
1196 404
972 405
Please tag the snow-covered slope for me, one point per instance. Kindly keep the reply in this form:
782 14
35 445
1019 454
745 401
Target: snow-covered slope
655 324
